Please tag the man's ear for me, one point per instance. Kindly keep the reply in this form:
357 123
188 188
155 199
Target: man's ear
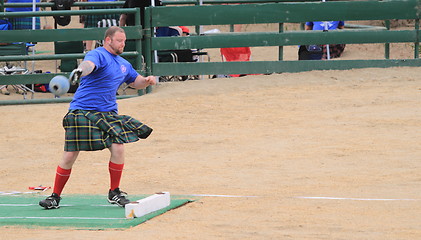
107 40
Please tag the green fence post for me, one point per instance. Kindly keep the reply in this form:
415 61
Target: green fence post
197 27
387 45
417 43
148 35
138 42
281 48
231 27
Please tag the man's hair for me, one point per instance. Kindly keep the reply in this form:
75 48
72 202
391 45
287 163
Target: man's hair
112 30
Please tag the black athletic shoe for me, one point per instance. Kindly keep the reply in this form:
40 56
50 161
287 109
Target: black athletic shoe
50 202
118 197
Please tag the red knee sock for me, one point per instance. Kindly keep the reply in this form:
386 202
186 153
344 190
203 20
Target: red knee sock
115 174
62 175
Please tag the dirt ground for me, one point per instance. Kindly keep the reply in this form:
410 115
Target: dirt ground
312 155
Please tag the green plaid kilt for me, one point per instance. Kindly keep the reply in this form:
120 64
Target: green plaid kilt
92 130
24 23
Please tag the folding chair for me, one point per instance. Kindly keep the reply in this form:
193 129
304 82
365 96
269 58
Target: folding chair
185 55
12 69
236 54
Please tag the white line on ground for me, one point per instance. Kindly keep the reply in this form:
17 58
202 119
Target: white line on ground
361 199
215 195
61 205
91 218
103 205
17 193
16 205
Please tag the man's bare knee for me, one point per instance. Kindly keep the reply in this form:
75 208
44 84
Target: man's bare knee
117 153
68 159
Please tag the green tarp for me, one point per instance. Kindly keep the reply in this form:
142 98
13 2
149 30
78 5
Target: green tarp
91 212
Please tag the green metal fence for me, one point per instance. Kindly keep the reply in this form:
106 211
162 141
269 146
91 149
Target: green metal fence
54 35
254 12
282 12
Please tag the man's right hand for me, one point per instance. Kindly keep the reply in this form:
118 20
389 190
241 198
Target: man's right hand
75 76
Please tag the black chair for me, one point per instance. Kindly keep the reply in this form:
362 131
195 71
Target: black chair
10 68
184 55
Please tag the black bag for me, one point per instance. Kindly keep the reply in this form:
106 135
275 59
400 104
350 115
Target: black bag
314 48
62 5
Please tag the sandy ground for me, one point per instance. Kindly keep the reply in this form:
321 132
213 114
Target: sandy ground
352 135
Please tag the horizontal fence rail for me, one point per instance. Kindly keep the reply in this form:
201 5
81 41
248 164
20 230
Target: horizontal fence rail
269 67
226 40
283 12
75 4
213 2
54 35
68 12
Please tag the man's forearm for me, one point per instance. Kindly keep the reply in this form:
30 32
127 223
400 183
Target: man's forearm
142 82
87 67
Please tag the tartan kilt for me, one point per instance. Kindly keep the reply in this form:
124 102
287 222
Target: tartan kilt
24 23
92 130
335 50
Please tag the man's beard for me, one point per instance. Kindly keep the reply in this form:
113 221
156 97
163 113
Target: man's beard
117 50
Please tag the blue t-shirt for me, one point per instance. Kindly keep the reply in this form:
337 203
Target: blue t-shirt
98 90
22 9
332 25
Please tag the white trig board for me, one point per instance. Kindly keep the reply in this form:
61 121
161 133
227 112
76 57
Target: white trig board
147 205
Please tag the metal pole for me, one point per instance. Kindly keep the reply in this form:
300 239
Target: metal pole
33 28
387 45
326 29
417 43
33 10
281 48
155 52
138 42
199 28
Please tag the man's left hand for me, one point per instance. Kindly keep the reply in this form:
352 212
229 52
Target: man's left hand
151 80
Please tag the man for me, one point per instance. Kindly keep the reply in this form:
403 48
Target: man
94 21
23 22
129 19
331 25
335 50
92 122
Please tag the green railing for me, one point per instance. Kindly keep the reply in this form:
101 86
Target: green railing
50 4
54 35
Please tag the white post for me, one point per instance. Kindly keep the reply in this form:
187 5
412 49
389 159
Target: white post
155 53
200 27
33 10
200 32
325 29
33 28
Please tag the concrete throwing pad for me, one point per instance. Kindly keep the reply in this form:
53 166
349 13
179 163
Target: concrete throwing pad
92 212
